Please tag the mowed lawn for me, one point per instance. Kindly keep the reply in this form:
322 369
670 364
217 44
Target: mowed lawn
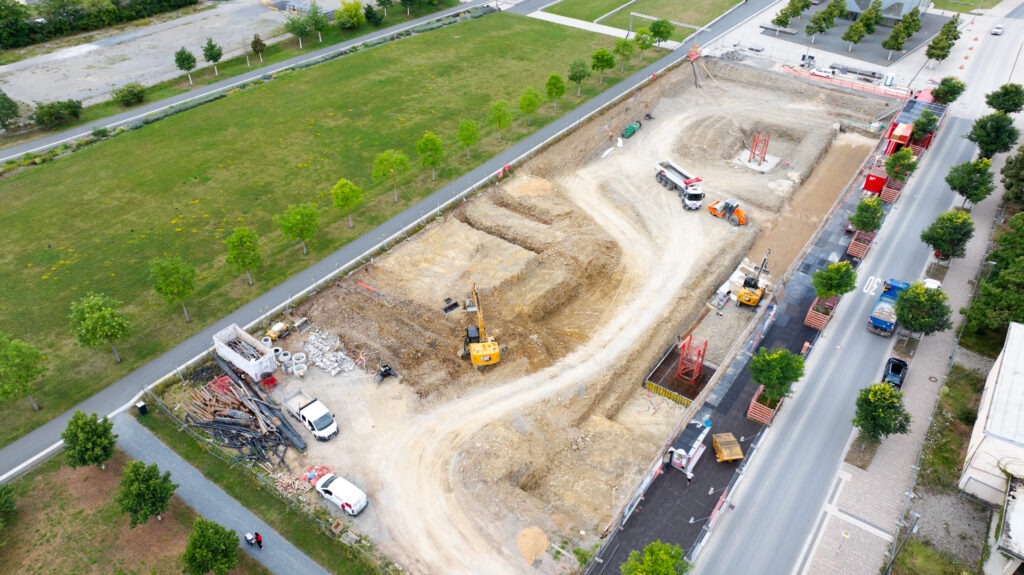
93 220
588 10
692 12
66 521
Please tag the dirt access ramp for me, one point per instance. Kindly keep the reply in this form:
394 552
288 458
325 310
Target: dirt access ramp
587 269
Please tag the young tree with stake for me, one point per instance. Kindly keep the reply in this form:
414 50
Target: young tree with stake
430 149
186 62
299 222
346 196
212 53
243 251
21 366
390 165
500 116
468 135
529 103
554 89
174 279
96 320
578 72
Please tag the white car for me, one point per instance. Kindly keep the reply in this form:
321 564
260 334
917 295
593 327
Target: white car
340 492
823 72
997 30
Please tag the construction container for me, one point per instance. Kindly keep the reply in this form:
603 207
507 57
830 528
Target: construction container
299 358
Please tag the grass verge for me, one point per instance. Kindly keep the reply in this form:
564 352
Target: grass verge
295 527
919 557
861 452
587 10
66 521
964 7
93 220
950 432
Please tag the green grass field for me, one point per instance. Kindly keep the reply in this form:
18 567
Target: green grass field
588 10
950 431
93 220
921 558
688 12
964 7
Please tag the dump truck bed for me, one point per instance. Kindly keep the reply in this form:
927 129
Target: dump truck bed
727 448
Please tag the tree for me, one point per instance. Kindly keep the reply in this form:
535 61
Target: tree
186 62
144 492
644 40
657 559
385 4
130 94
500 116
88 440
258 46
923 310
948 90
972 180
776 370
1000 300
351 15
317 20
554 89
1008 99
431 150
994 134
911 21
600 61
1013 177
95 320
373 17
868 217
55 114
468 134
951 29
212 53
346 196
390 165
901 164
297 26
408 5
243 251
529 102
210 548
21 365
949 233
818 24
854 34
624 50
174 279
299 222
896 39
871 17
578 72
781 20
662 30
938 50
835 9
924 125
880 412
9 112
836 279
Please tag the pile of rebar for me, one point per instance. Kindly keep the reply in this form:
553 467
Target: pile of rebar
244 349
322 351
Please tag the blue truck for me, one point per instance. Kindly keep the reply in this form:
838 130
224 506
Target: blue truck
883 317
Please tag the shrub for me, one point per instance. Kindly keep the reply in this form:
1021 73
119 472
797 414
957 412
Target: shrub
56 114
130 94
100 133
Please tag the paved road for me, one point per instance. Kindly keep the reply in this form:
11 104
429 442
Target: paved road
777 506
19 455
277 555
136 114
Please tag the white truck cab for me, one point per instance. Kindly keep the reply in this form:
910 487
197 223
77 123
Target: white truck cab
313 414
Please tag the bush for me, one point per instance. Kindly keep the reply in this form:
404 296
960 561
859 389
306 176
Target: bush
130 94
56 114
100 133
966 414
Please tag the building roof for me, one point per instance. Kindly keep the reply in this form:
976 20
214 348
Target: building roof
1006 410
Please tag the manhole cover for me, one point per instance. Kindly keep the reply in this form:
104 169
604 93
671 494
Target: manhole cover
932 378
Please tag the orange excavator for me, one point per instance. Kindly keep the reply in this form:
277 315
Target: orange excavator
730 210
482 350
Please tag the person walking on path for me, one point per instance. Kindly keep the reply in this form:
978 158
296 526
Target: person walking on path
259 540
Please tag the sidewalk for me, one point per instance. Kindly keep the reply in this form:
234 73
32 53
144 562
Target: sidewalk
210 501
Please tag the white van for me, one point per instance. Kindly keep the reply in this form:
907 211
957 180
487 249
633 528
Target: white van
340 492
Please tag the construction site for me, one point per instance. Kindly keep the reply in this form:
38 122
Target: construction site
565 283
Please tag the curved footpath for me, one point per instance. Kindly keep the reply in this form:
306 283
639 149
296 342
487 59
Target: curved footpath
277 555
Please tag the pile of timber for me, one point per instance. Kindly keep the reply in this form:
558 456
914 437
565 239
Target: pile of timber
235 418
322 350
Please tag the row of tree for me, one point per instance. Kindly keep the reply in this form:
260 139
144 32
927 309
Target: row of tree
24 24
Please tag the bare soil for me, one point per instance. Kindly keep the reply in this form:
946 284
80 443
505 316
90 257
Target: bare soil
587 270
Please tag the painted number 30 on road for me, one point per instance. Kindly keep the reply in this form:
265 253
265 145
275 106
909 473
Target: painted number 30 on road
872 284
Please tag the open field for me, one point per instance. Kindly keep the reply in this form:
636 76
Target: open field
67 522
692 12
180 185
588 270
588 10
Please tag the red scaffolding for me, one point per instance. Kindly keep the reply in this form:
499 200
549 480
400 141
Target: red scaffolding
691 360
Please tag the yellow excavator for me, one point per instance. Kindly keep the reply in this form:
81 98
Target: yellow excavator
482 350
752 291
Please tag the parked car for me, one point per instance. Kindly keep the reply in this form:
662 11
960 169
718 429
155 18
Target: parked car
823 72
895 372
340 492
997 30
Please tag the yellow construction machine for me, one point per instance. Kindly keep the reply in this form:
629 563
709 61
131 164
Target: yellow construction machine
752 291
482 350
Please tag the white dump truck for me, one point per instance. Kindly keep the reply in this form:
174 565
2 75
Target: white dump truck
687 185
245 352
314 415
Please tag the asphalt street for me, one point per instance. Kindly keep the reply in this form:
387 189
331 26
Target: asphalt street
277 555
21 454
777 507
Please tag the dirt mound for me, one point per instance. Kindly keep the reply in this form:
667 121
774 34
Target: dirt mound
532 543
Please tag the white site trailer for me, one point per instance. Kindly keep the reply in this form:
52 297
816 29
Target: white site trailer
245 352
687 185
